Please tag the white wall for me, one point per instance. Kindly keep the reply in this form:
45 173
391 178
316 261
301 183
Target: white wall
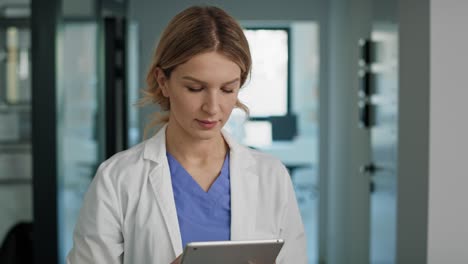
432 189
413 134
448 174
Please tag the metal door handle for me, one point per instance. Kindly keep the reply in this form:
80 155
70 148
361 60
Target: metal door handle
370 168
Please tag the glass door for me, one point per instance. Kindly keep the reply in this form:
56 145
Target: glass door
16 211
78 124
383 98
384 136
91 111
71 114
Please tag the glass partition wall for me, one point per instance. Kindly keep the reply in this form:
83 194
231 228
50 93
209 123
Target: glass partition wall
55 73
77 122
91 104
16 211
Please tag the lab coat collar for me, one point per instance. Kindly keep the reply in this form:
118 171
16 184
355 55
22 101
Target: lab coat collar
161 183
155 147
244 188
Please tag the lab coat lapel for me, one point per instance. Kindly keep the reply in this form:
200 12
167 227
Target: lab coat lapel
244 191
160 179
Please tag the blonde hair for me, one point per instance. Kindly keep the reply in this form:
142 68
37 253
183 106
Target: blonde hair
195 30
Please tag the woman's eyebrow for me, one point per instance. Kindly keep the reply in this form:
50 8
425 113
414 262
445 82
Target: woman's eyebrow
205 83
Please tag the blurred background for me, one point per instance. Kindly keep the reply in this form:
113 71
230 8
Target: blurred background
339 92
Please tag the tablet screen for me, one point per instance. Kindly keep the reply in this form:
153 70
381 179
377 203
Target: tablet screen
232 252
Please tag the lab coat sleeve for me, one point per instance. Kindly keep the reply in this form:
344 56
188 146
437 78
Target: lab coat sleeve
292 230
97 237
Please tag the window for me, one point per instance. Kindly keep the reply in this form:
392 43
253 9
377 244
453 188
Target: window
267 91
270 73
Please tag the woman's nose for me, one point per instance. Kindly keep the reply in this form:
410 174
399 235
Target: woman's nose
211 103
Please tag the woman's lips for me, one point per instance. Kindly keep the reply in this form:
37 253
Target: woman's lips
207 124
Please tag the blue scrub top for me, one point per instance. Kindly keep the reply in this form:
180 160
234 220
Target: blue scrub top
203 216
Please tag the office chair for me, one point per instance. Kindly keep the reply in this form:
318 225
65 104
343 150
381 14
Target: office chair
17 247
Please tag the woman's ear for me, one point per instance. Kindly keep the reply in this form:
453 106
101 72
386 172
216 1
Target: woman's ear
162 81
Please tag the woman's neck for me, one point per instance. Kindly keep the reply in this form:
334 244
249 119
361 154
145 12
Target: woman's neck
186 148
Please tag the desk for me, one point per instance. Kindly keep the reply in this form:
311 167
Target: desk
295 154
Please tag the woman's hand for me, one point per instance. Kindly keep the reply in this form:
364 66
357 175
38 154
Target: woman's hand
177 260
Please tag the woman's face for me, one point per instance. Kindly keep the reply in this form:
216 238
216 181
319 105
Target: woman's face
202 94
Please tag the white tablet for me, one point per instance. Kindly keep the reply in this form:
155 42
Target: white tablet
232 252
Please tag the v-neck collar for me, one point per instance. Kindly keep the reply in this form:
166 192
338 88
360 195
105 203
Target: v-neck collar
243 180
181 177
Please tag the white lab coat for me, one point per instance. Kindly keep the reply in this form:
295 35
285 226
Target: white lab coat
129 214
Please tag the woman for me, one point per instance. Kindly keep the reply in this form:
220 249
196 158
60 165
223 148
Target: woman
191 181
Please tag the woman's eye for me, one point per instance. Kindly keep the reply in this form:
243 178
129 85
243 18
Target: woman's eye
194 89
228 90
